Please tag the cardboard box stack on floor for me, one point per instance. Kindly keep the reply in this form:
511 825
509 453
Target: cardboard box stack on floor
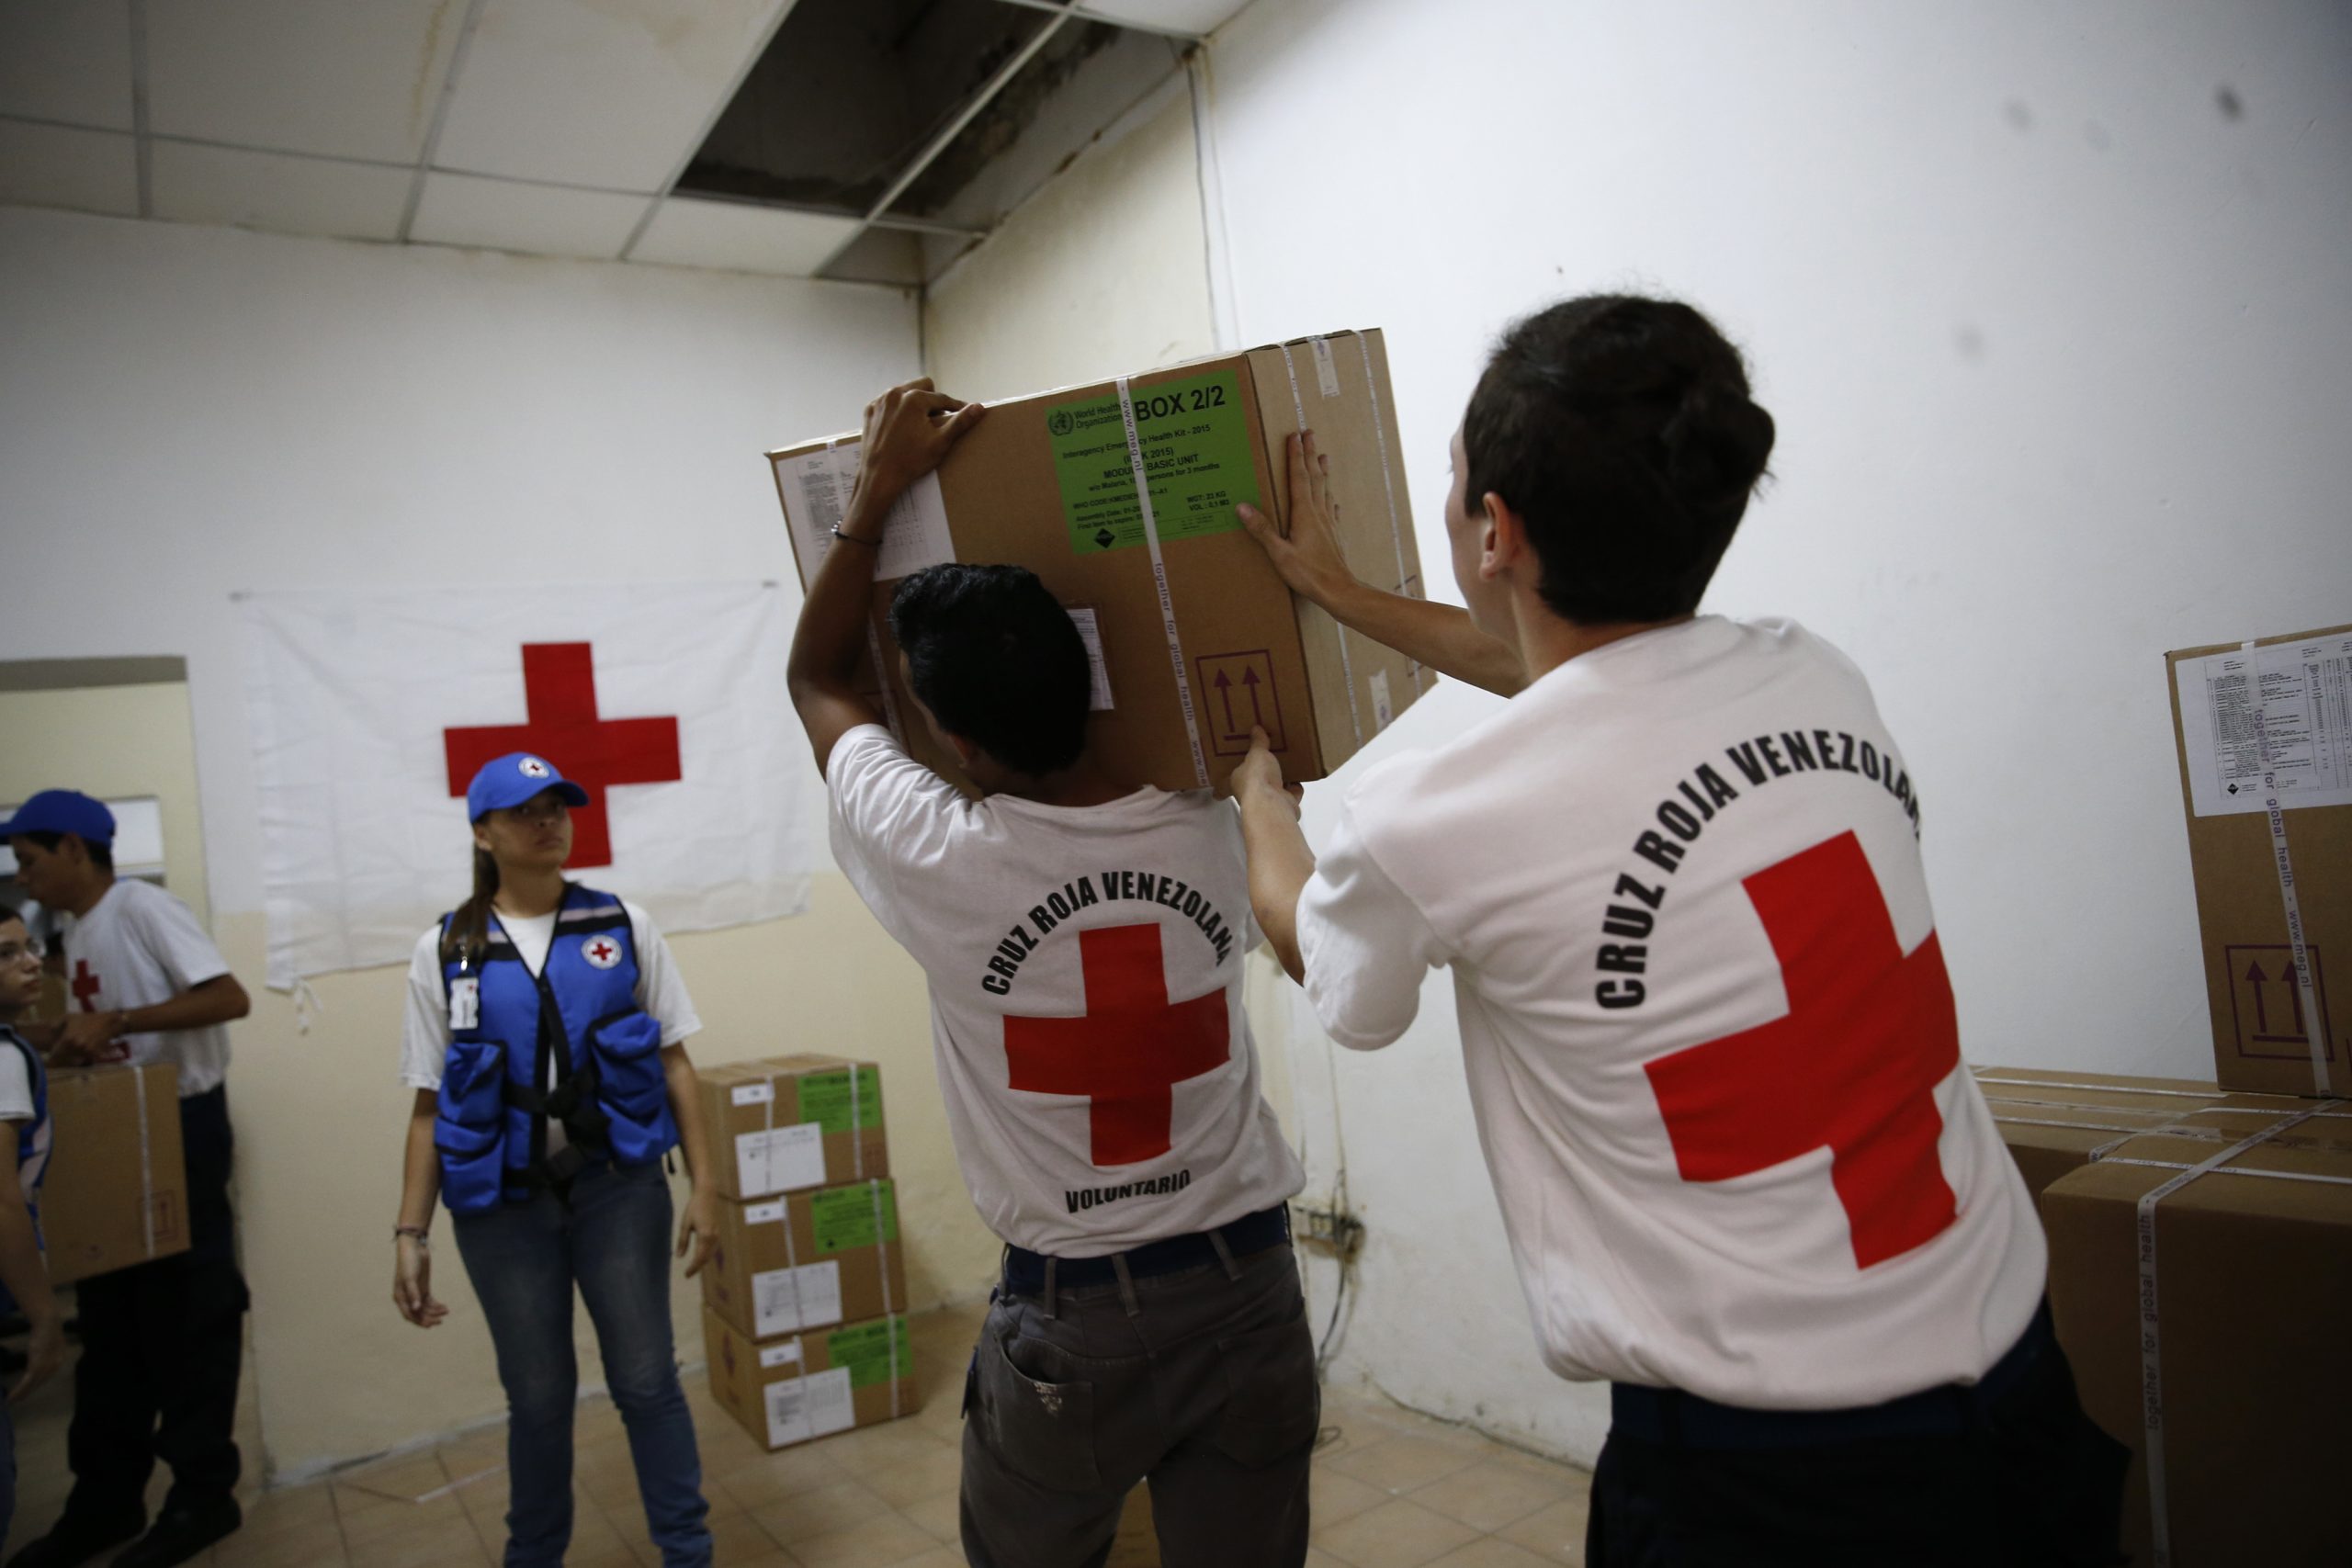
1195 637
2200 1274
2263 732
116 1192
804 1301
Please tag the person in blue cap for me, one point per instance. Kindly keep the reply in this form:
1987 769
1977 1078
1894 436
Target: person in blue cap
544 1038
162 1342
24 1155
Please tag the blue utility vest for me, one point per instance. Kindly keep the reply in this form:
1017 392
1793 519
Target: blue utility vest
32 1139
579 1016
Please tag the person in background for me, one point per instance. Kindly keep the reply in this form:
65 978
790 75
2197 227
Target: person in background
24 1155
162 1343
1709 1036
545 1037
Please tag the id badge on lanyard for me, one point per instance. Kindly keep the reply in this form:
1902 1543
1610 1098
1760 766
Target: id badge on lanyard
465 1003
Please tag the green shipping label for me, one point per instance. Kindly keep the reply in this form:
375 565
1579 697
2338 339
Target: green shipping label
825 1099
843 1217
1196 456
866 1351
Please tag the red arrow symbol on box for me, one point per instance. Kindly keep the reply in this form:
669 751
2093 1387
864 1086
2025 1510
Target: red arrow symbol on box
2261 1017
1224 685
1249 681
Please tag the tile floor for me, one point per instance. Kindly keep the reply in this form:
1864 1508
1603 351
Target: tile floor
1392 1489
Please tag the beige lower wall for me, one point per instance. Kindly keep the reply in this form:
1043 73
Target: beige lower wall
320 1117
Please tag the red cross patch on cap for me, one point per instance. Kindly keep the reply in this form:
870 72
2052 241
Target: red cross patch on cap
601 951
532 767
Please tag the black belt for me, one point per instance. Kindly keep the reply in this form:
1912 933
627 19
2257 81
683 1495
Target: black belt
1024 1271
1671 1415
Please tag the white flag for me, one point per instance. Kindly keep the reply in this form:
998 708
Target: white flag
370 712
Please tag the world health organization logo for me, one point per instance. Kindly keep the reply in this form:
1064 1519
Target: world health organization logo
1061 422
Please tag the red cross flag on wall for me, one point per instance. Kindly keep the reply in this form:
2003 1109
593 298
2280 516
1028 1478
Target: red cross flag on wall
371 712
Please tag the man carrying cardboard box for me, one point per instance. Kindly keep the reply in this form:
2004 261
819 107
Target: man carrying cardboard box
1705 1019
161 1342
1083 940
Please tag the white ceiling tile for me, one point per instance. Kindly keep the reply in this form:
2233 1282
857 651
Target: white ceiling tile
270 190
343 80
1184 15
506 215
48 166
66 59
737 238
614 93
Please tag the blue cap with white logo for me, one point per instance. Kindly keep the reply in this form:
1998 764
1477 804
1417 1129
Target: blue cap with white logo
63 811
514 778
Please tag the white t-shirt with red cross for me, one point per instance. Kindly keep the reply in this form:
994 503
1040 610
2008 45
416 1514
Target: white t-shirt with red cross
1085 967
1705 1019
138 946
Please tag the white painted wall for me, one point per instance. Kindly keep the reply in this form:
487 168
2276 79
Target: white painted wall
186 412
2060 351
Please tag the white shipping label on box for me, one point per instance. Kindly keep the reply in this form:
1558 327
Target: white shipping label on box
811 1407
1327 372
816 487
806 1297
781 1159
1383 711
1089 632
2284 711
753 1094
781 1355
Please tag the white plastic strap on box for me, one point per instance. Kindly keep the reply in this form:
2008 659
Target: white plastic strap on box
2314 1023
791 1272
2152 1379
2105 1087
1159 580
856 1134
1387 482
882 1266
1347 664
873 638
146 1165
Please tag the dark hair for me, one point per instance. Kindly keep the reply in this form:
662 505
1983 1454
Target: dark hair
1621 429
101 850
997 662
468 934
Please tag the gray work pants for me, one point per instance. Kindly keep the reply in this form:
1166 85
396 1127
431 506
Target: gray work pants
1201 1382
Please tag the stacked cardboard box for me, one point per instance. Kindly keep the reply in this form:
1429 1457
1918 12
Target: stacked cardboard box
2263 732
116 1192
1195 639
804 1300
2200 1274
2054 1123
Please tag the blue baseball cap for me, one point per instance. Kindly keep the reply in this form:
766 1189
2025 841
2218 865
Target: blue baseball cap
63 811
514 778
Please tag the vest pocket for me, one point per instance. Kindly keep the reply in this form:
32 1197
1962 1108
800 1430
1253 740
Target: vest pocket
473 1165
626 1048
473 1083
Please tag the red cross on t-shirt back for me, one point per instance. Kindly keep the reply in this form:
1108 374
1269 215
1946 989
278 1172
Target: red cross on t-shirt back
86 986
1853 1067
1129 1052
560 693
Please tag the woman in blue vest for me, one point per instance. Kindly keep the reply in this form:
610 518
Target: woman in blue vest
23 1155
544 1039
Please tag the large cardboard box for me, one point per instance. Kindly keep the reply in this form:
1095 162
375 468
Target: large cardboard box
116 1192
1050 482
2278 709
807 1261
799 1386
2057 1121
2241 1295
790 1123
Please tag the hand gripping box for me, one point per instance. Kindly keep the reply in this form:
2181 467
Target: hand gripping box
795 1387
1195 639
789 1122
808 1259
116 1192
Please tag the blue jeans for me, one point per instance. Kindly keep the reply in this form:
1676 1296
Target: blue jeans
612 1238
